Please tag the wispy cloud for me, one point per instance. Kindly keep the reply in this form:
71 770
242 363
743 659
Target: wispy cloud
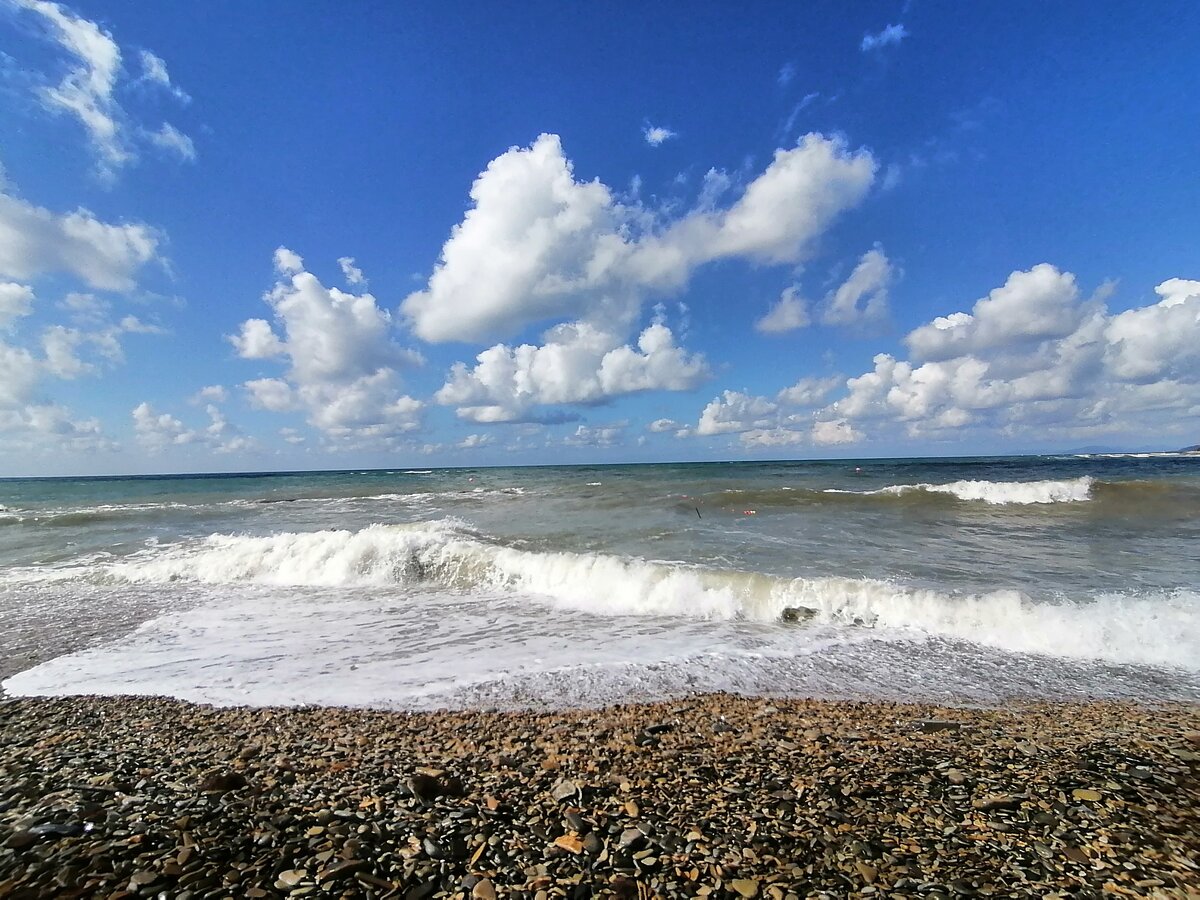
88 89
786 73
893 34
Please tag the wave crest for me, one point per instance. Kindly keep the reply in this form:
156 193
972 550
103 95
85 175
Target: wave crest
1154 629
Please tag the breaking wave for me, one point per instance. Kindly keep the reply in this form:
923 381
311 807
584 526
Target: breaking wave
1155 629
1073 490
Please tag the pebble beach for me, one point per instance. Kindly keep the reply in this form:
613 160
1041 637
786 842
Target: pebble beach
711 795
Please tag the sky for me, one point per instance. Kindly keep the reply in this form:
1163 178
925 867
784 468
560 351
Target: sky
281 236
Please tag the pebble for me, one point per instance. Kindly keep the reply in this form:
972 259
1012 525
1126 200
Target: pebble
719 796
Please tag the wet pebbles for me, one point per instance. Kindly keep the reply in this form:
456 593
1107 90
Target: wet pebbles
715 796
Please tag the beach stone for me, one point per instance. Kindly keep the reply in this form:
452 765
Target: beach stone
222 782
565 790
631 837
745 887
1085 794
928 726
484 890
289 878
999 801
19 840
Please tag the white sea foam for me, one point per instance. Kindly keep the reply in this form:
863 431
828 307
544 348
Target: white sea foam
1155 629
999 493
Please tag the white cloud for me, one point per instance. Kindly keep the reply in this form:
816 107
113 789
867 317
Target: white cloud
16 301
287 262
1034 356
863 297
35 241
788 313
658 426
213 393
257 340
786 73
794 200
353 273
734 412
48 428
341 356
1161 341
892 34
168 137
154 71
159 431
837 431
1031 306
577 364
656 134
1175 291
474 441
600 436
809 391
539 245
88 89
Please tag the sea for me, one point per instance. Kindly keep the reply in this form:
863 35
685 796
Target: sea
960 581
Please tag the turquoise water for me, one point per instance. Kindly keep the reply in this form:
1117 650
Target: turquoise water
969 579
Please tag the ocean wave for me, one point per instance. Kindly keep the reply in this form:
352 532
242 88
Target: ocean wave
1001 493
1155 629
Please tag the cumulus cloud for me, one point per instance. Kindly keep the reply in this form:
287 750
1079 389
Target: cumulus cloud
16 301
892 34
28 421
658 426
599 436
87 91
48 427
655 135
863 297
159 431
537 244
213 393
809 391
734 412
34 241
1035 354
788 313
577 364
342 359
1031 306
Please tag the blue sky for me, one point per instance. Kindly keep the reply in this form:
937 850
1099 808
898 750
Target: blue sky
288 236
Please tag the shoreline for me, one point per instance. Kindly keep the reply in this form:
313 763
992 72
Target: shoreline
711 795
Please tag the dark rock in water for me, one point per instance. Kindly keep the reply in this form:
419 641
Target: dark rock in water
659 728
796 614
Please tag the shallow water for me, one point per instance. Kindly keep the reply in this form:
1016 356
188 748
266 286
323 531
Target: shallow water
976 580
